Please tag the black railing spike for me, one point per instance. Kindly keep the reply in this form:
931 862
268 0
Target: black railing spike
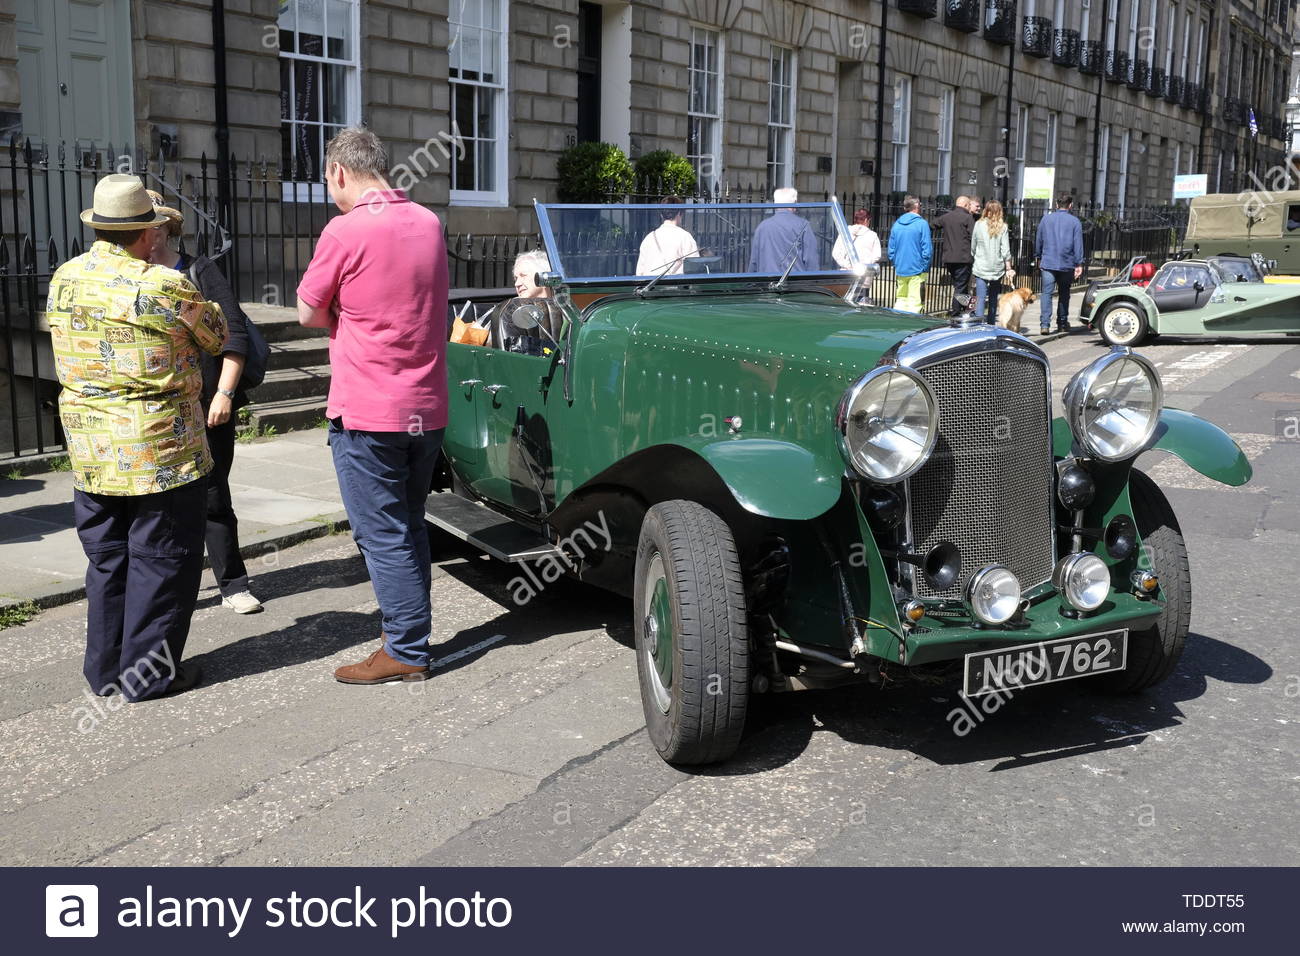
4 256
28 255
27 151
53 253
75 249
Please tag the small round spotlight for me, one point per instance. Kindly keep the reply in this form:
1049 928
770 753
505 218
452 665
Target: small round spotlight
1145 582
993 594
1121 537
913 611
1083 579
1075 488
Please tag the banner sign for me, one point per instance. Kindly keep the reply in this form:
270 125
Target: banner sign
1186 187
1038 182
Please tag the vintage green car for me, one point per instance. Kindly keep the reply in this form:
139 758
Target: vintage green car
797 491
1218 296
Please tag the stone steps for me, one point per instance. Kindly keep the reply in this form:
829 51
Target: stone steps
292 396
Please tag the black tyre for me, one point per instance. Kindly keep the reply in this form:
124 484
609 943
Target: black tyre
692 637
1153 654
1123 323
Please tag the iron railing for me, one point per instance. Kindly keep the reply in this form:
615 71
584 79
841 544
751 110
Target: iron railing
920 8
1065 48
1159 81
1000 22
1117 66
1139 74
963 15
43 189
1036 37
1191 95
1174 90
1092 57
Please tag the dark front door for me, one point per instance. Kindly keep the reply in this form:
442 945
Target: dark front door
589 29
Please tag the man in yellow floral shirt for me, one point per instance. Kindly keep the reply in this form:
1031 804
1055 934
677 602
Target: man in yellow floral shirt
126 337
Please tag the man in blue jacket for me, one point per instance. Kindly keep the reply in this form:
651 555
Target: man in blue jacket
1059 251
910 250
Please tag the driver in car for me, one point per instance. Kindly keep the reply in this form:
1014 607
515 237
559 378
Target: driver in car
527 337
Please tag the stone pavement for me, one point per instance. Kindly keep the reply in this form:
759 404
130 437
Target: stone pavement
284 491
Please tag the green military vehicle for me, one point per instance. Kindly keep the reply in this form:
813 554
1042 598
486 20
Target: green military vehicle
1246 224
796 490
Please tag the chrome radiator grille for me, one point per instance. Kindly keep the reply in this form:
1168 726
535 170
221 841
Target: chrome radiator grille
987 487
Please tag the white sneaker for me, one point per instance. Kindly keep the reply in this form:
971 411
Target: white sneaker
242 603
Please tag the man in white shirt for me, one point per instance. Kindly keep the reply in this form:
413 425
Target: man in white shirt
665 250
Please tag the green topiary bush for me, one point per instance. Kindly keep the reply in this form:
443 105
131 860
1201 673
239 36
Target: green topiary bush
667 172
593 172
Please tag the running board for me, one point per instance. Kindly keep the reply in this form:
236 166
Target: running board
486 530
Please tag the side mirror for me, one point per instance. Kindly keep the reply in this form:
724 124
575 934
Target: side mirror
1198 286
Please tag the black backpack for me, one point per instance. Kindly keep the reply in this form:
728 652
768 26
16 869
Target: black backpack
258 351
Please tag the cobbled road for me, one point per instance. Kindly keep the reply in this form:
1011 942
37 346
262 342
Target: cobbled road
528 746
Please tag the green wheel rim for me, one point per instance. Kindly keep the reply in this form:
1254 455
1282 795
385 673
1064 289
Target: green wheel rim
659 633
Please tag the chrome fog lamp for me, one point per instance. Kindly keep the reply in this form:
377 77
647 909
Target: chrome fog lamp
993 594
1083 579
1113 405
887 423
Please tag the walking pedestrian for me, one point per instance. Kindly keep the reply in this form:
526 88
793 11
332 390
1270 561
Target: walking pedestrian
910 250
991 250
664 250
956 227
127 336
865 243
221 398
1058 248
784 240
378 282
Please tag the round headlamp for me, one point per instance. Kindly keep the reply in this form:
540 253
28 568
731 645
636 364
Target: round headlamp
887 424
1083 579
993 594
1114 404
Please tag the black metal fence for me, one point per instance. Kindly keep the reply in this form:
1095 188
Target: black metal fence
43 189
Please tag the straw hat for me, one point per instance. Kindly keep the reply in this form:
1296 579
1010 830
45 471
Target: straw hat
121 202
160 205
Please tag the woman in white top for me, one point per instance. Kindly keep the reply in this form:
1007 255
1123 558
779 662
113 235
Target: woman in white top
990 247
865 241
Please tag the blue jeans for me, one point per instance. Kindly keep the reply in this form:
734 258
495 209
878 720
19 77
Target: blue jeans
986 293
384 478
1051 279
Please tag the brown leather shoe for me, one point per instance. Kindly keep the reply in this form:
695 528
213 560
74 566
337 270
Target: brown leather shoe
380 668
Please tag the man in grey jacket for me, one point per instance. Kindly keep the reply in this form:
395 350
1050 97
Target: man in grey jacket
1058 248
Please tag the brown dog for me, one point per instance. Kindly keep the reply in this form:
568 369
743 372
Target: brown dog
1011 306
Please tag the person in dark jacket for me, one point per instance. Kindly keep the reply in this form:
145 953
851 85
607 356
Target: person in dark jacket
956 227
1058 247
221 399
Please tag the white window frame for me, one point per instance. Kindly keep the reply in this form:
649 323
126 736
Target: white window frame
780 115
901 131
1187 43
709 116
299 190
498 90
1053 137
1112 25
1103 168
1171 36
1022 145
1178 159
1126 144
1134 15
1085 22
1153 25
1200 50
947 117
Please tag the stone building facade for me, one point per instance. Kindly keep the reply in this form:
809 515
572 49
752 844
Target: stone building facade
477 98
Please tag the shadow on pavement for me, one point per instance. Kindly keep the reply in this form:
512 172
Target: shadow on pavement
1033 726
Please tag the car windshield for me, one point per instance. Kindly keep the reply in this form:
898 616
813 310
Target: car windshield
1233 269
635 243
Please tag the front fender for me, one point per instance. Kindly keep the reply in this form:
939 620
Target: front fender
774 479
1202 445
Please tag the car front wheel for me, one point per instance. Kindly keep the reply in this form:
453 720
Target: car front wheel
692 637
1153 653
1123 324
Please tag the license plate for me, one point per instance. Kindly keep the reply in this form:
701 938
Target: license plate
1046 662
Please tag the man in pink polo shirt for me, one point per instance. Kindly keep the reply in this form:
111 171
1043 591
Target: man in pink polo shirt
378 282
